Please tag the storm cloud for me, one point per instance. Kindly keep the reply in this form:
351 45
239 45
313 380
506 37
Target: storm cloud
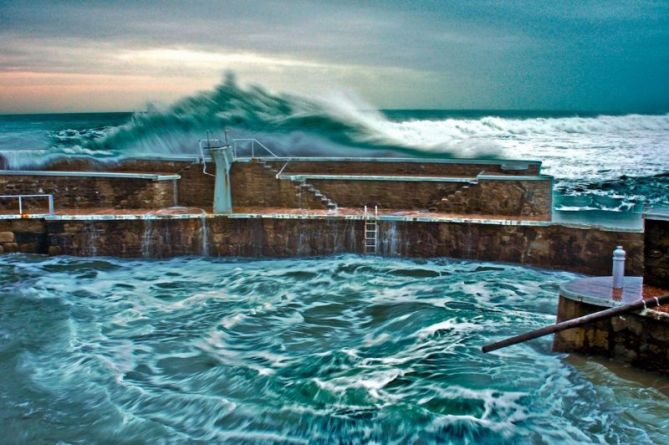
95 55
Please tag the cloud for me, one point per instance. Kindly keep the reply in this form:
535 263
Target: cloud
396 54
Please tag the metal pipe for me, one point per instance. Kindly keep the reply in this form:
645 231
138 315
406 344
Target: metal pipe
579 321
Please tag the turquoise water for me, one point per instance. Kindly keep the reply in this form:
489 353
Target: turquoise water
329 350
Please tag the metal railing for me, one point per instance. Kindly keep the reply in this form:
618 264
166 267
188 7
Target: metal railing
22 197
238 146
250 144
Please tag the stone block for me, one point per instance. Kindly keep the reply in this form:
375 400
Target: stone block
660 333
7 237
623 353
618 324
31 226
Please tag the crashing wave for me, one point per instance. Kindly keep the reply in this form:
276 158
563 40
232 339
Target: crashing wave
288 124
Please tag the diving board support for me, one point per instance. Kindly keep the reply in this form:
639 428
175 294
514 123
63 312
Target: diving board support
222 189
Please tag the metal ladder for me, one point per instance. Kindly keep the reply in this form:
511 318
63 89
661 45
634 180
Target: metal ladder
371 231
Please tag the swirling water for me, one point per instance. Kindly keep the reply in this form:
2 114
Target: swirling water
345 349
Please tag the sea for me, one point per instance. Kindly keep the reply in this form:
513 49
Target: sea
344 349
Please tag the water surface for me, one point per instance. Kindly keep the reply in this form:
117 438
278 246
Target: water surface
343 349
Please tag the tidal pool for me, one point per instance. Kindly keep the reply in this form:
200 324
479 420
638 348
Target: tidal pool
345 349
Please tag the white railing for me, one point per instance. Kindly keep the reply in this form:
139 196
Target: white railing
250 144
22 197
239 146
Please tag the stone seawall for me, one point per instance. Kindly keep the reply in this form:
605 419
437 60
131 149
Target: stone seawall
23 235
77 192
255 186
385 194
657 251
640 340
555 246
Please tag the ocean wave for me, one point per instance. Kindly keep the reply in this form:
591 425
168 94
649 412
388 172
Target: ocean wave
599 157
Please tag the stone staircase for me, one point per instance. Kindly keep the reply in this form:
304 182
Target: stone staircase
455 202
304 188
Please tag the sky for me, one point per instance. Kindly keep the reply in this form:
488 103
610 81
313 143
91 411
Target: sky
70 56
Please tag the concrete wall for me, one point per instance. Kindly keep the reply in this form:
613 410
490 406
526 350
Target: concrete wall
560 247
72 192
657 253
640 340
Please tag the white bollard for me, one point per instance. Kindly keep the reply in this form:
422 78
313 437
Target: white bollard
618 267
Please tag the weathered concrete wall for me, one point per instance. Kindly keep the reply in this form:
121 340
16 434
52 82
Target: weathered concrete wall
639 340
560 247
85 192
657 253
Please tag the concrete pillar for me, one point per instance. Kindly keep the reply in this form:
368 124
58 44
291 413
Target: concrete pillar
222 191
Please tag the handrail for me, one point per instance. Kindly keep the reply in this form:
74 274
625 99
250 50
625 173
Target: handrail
235 144
21 197
282 168
253 141
642 304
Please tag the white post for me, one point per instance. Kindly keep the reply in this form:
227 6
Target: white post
222 187
618 267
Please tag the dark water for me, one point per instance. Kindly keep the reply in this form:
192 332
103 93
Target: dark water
330 350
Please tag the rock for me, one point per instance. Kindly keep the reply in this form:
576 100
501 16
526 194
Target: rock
7 237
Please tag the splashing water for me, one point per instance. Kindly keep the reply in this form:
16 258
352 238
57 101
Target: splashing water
599 161
345 349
